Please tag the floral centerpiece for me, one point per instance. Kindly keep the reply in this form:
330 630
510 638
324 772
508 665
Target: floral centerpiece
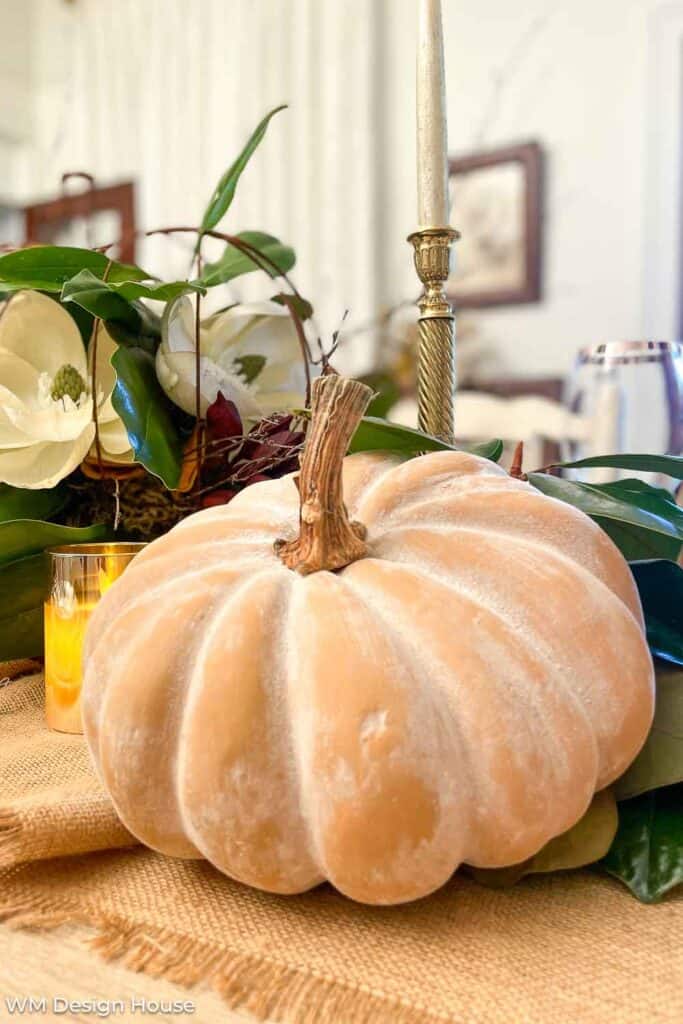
124 408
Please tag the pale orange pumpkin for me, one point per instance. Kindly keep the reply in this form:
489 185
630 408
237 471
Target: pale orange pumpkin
457 690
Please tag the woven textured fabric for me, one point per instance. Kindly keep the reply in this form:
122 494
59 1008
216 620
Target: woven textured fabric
555 949
51 804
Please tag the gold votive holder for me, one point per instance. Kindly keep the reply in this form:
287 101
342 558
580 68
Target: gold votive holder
79 575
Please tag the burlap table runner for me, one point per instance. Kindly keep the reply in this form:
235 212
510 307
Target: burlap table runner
51 804
566 949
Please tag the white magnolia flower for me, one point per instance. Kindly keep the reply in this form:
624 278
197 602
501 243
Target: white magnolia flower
46 405
250 353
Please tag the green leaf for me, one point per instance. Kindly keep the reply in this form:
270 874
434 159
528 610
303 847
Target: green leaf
24 580
249 366
118 305
83 319
87 285
584 843
95 296
670 465
660 762
387 393
647 852
638 518
147 333
653 499
301 306
375 434
22 537
21 620
660 585
47 267
225 189
234 263
146 413
17 503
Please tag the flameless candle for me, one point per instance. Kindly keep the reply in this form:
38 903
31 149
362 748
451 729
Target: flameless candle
432 143
79 575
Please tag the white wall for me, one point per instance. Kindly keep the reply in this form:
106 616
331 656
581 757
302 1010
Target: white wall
575 77
167 91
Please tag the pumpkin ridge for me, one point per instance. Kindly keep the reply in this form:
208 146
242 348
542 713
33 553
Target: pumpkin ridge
380 464
605 774
412 477
141 724
223 642
507 695
340 787
508 539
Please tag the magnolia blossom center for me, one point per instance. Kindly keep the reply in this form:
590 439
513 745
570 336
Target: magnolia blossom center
69 383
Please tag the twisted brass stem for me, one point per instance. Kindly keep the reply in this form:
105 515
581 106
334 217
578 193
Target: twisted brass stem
436 346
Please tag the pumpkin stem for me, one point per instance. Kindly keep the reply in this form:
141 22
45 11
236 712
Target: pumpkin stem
327 538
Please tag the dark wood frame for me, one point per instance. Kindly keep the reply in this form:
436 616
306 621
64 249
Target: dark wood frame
119 198
530 156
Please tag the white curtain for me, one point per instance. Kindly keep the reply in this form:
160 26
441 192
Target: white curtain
167 91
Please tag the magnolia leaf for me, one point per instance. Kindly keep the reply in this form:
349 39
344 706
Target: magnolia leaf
112 300
653 499
234 263
647 852
660 762
374 434
670 465
94 295
22 537
225 189
147 414
584 843
18 503
147 333
25 580
48 267
660 585
387 393
82 318
301 306
638 518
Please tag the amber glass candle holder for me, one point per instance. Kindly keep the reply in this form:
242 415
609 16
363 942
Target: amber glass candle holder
79 575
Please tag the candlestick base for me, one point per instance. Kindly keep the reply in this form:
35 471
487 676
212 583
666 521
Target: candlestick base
436 346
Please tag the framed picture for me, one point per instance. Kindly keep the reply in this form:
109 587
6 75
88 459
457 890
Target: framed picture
96 216
496 205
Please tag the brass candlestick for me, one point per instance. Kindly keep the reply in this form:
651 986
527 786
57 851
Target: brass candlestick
436 345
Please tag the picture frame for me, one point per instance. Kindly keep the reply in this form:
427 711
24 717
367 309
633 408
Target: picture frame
108 211
497 205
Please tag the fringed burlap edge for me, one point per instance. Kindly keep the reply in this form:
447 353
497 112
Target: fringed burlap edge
248 982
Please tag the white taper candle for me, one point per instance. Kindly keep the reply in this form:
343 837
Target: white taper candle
432 140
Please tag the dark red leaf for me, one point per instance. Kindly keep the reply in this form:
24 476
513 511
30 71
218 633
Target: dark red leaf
218 497
223 419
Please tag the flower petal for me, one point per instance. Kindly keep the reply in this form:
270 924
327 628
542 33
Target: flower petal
44 465
236 328
178 326
10 436
19 380
105 372
36 328
60 421
114 440
177 374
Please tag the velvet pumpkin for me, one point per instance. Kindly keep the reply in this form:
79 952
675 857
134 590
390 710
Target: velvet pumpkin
450 681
